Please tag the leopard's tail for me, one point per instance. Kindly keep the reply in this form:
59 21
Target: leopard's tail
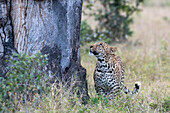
135 90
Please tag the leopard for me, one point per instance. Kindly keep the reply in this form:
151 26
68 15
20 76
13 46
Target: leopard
109 72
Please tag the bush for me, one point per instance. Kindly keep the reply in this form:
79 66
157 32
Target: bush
114 18
26 80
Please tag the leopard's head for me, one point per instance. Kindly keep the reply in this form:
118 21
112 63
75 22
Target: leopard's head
101 50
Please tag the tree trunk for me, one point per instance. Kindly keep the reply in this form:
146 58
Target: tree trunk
51 26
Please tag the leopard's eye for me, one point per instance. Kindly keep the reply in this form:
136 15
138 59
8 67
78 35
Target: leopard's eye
100 44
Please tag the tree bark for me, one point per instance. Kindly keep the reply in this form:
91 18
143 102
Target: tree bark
51 26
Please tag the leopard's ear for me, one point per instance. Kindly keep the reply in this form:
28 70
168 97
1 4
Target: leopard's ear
113 50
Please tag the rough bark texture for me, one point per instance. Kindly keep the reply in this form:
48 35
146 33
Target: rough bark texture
6 35
52 26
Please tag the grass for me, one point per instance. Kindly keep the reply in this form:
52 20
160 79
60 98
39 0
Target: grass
147 59
151 69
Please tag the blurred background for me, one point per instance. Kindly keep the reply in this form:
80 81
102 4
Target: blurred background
140 29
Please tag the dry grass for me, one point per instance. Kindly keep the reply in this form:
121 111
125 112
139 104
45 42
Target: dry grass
146 56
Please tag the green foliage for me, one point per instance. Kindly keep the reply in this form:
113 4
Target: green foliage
86 34
166 105
97 100
26 80
114 18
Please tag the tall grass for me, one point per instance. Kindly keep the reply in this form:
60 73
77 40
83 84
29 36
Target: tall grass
151 69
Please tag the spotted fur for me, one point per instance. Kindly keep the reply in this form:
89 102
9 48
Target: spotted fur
109 71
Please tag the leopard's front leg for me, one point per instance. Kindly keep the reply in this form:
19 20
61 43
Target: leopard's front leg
99 90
